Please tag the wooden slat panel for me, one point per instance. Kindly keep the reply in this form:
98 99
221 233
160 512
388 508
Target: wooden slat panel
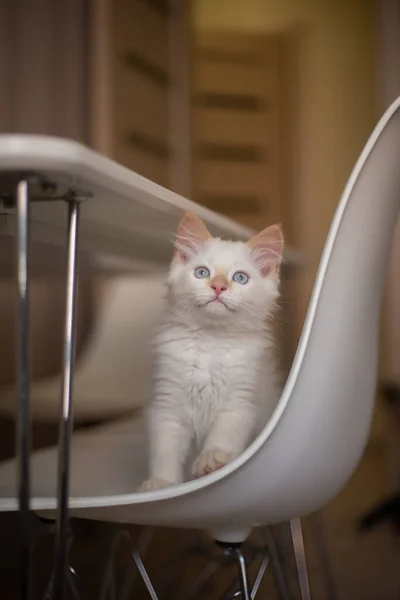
179 101
146 144
231 204
162 7
137 63
243 48
256 221
231 78
141 86
242 102
236 125
232 153
141 105
226 178
231 127
142 162
143 28
223 57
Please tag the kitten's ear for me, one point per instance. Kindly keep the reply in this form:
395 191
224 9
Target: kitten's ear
191 235
266 249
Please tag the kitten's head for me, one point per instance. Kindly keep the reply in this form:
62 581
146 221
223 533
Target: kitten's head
222 282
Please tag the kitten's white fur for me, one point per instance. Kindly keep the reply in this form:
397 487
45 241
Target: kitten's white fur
214 381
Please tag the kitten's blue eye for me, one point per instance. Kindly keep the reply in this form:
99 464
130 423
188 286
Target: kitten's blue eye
202 273
240 277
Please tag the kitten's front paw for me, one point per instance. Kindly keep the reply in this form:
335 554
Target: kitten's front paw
156 483
209 461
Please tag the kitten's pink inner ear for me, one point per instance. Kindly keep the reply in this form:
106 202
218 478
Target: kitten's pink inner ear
191 235
267 248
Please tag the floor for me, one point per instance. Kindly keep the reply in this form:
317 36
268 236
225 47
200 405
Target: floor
365 565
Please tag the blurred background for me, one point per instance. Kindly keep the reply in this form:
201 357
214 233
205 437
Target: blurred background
257 109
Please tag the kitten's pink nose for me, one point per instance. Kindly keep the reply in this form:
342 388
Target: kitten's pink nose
218 288
219 284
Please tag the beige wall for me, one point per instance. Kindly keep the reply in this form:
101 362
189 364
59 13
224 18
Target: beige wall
335 100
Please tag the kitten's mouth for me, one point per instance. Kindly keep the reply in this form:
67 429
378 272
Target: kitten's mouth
217 300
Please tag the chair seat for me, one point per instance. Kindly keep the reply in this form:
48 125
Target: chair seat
110 459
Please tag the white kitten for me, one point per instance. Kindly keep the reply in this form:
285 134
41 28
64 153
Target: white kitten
214 382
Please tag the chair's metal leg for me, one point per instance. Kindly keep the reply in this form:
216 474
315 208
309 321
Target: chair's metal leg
323 556
73 581
60 569
269 553
23 433
235 588
259 577
108 590
49 589
300 556
233 591
243 575
146 579
145 537
279 576
75 584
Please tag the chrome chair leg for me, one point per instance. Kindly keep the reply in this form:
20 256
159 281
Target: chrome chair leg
299 552
243 575
23 433
145 537
269 553
75 584
108 591
280 581
259 577
163 583
65 431
72 580
141 568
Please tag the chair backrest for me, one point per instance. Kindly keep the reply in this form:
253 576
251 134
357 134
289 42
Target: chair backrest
318 432
325 411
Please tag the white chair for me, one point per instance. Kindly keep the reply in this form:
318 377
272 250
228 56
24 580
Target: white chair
112 374
317 434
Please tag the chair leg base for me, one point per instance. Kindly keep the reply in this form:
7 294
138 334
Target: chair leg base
251 559
230 536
